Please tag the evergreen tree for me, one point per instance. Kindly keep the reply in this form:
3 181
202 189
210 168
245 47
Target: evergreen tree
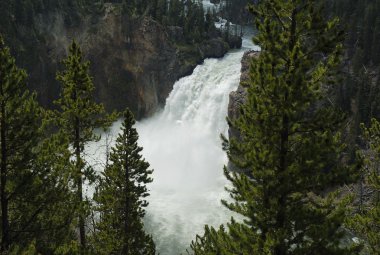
34 212
55 231
161 11
366 223
209 21
120 198
290 146
79 115
194 21
19 132
176 13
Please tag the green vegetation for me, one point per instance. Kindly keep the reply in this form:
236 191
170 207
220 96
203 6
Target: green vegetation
236 11
19 137
42 175
366 222
120 198
291 149
290 146
76 119
186 14
32 187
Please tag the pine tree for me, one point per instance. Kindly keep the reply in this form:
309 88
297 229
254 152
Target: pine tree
120 198
290 147
161 11
34 212
176 13
19 132
194 21
55 231
79 115
366 223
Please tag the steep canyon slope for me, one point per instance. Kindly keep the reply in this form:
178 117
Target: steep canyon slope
134 59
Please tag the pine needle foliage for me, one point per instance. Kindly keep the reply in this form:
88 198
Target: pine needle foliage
290 146
366 223
77 118
36 200
121 198
19 133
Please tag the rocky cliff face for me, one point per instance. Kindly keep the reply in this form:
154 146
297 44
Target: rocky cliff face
134 61
238 97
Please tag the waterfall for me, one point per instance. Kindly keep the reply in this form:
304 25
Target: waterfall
182 144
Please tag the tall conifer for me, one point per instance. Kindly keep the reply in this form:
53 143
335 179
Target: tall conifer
290 145
19 122
77 118
29 187
120 198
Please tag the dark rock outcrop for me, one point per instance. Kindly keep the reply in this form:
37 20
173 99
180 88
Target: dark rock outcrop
214 48
235 41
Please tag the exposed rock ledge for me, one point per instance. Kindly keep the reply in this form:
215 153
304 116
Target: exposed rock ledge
238 97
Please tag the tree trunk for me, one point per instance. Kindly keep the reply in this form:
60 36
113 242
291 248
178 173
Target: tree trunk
126 208
82 232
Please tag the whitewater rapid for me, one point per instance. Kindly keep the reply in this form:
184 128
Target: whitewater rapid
182 144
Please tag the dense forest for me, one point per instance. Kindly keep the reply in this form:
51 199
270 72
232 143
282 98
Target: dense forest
308 143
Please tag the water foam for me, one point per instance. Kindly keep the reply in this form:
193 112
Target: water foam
182 144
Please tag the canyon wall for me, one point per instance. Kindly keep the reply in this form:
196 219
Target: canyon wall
134 60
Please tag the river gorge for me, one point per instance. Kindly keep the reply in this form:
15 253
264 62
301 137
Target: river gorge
182 143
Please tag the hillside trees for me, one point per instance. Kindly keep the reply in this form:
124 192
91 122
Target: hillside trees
236 11
186 14
77 118
366 222
290 146
194 27
120 198
176 13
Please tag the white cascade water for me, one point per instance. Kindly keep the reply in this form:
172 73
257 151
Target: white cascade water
182 144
